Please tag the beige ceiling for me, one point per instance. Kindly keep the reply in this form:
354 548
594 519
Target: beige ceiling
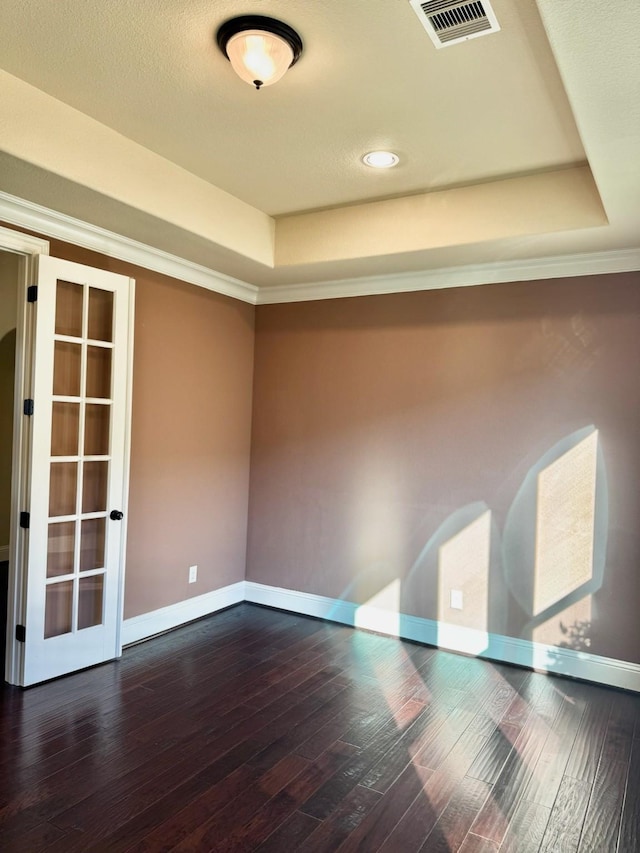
520 144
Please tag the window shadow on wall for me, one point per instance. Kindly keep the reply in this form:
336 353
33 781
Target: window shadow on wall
555 542
536 582
457 581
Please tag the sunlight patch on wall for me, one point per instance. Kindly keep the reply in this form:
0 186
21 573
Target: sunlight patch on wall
382 611
568 629
555 536
463 573
565 524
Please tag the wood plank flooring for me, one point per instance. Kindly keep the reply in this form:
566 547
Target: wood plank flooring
259 730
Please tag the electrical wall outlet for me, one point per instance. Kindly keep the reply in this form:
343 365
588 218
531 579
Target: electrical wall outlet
193 574
456 599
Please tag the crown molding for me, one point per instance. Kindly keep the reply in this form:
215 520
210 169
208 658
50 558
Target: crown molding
26 214
562 266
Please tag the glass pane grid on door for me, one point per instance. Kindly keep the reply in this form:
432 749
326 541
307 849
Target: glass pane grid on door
80 459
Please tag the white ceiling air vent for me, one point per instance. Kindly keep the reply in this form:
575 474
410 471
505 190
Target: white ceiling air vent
452 21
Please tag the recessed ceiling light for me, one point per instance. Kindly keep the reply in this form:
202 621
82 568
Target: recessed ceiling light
381 159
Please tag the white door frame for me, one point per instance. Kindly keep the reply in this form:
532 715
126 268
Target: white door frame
30 248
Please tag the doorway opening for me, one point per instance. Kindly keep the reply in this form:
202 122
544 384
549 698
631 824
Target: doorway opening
11 265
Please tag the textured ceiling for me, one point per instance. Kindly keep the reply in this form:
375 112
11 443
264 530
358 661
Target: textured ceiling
132 116
369 78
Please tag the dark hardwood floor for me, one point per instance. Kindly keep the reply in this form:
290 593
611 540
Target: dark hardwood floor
258 730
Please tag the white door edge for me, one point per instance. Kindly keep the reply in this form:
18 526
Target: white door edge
127 466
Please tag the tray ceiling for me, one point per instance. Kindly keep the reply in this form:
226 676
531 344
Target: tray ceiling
132 105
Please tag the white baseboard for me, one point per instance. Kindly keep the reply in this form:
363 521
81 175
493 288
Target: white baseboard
543 658
538 656
4 553
148 624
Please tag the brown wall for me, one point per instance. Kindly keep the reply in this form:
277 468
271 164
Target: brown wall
378 421
192 383
382 427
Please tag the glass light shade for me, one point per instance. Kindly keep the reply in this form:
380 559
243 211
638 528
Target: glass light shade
259 57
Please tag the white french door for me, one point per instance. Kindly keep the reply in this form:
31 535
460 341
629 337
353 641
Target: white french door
77 465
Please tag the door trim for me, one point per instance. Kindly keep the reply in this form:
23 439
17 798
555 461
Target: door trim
29 248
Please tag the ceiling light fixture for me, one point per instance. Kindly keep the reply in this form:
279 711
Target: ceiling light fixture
260 49
381 159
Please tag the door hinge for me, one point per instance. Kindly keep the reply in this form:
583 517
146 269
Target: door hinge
25 520
32 293
28 407
21 633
